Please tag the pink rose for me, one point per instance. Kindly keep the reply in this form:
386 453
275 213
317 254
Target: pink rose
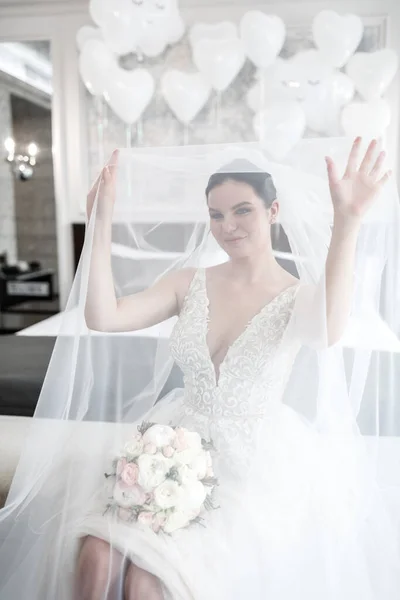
121 465
130 474
180 441
168 451
150 448
145 518
124 514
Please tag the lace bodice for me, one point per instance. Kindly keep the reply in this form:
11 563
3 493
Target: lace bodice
252 375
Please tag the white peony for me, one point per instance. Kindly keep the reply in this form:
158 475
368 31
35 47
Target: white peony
134 447
168 494
176 520
159 435
188 445
193 496
153 470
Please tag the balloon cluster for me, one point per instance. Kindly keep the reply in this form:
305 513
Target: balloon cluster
329 89
142 27
316 88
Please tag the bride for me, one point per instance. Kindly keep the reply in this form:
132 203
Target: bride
227 341
297 511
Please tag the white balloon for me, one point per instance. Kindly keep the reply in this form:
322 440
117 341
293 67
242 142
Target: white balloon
95 62
367 119
322 102
86 33
129 93
96 10
263 37
153 39
175 28
214 31
373 72
280 127
185 93
337 37
219 61
120 29
308 66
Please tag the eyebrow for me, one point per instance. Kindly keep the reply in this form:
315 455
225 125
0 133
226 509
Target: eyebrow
245 203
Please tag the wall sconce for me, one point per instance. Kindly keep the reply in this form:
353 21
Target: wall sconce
23 164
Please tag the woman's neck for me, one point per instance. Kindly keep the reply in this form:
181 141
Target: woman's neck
257 268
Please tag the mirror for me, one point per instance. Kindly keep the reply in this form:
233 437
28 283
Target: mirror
28 234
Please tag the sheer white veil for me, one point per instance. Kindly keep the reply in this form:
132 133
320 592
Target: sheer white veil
99 384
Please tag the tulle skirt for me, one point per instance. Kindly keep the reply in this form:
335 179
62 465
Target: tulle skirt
305 520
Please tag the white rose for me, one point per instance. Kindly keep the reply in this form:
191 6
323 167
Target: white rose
160 435
168 494
127 498
186 475
193 497
134 447
153 470
176 520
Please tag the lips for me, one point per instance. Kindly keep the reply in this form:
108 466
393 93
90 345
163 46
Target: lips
238 239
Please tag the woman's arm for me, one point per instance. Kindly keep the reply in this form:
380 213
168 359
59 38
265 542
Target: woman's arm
352 195
103 311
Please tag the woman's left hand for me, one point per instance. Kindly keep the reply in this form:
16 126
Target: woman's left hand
354 193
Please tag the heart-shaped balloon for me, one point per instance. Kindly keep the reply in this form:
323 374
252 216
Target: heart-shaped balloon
219 61
86 33
95 62
280 127
185 93
121 30
337 37
369 119
263 37
213 31
129 93
373 72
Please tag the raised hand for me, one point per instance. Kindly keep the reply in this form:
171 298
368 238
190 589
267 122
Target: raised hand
104 189
354 193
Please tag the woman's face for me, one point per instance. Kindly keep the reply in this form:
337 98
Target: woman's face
240 221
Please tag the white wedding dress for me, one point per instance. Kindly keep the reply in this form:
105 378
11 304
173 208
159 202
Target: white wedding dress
303 525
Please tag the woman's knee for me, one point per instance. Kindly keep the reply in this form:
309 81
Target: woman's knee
140 584
98 562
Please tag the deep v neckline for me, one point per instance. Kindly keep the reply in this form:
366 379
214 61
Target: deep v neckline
239 338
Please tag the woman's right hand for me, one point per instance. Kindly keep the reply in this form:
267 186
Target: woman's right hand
104 189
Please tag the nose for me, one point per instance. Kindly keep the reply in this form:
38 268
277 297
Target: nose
229 225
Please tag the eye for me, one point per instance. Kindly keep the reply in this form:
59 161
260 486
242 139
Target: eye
216 216
243 211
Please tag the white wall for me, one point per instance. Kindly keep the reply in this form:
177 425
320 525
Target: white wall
58 21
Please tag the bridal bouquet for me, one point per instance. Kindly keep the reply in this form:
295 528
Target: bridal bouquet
163 478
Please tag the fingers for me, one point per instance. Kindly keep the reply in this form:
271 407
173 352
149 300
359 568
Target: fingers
333 174
113 158
376 169
353 158
368 160
383 180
